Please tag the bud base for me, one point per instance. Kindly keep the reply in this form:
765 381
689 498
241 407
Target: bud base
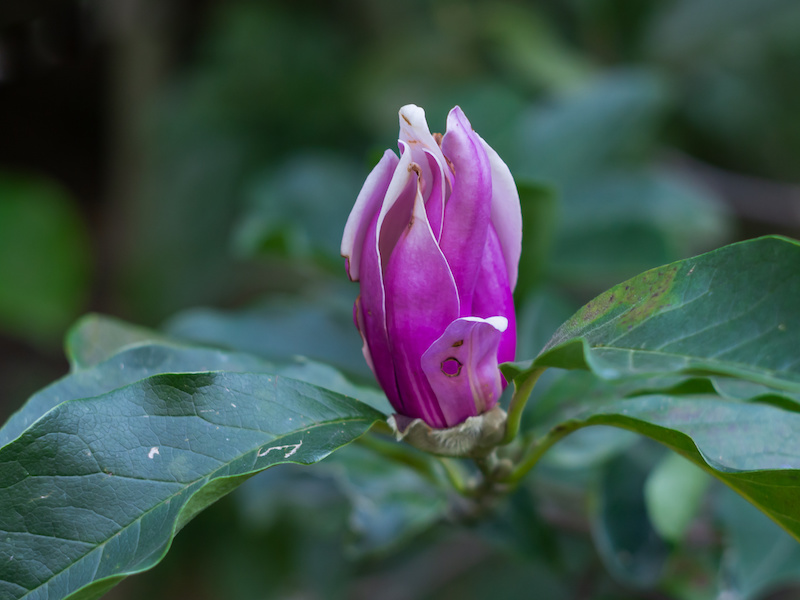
474 438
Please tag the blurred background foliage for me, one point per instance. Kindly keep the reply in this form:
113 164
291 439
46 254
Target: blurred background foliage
189 165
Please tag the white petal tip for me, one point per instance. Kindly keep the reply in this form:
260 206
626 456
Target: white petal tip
499 323
411 113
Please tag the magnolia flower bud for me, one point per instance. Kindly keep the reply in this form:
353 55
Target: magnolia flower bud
434 239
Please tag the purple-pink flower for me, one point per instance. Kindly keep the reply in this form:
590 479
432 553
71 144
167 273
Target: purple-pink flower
434 239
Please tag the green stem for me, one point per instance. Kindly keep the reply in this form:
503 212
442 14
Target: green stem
518 401
537 448
381 427
399 453
455 475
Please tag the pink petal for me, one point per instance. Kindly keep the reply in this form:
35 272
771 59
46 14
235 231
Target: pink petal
434 204
386 228
367 205
461 367
371 318
421 299
397 206
468 209
506 212
358 319
493 295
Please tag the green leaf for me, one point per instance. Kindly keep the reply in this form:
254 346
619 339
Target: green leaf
329 378
94 338
570 392
122 369
138 362
739 389
731 312
97 488
754 448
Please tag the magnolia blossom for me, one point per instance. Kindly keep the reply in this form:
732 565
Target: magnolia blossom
434 239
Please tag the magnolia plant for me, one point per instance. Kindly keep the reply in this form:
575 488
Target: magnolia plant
101 469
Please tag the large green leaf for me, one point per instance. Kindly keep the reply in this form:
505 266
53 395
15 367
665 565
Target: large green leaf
731 312
97 487
106 354
754 448
134 363
124 368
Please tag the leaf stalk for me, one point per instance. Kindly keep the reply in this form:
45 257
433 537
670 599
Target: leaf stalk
518 401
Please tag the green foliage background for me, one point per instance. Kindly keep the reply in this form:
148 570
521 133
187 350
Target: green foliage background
205 191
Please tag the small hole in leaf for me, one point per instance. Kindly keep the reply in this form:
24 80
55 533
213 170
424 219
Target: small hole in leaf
451 367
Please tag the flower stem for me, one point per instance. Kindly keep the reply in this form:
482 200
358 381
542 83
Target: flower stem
536 450
521 394
455 475
399 453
